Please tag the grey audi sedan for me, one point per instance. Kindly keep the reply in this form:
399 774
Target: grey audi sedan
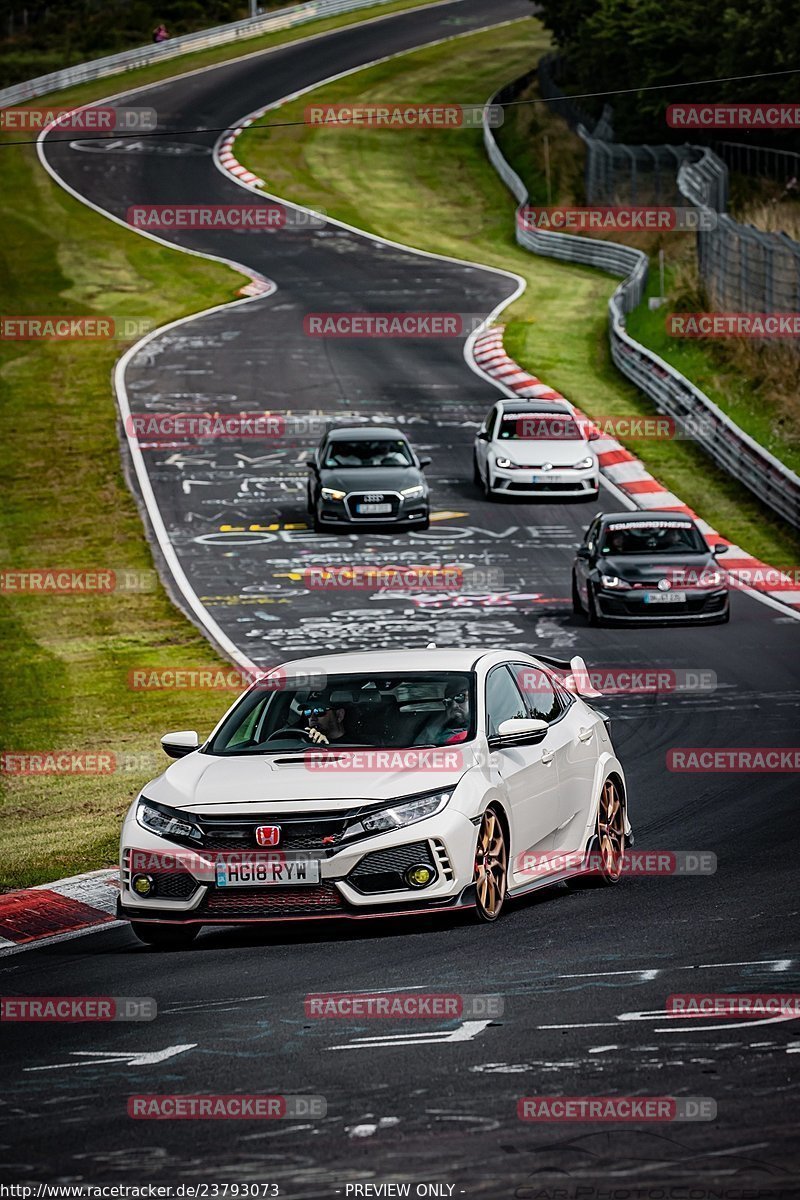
367 475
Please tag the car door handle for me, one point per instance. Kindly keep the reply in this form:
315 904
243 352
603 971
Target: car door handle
547 758
584 734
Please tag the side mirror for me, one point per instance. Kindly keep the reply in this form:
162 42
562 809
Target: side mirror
178 745
425 462
482 435
518 730
593 436
720 549
583 552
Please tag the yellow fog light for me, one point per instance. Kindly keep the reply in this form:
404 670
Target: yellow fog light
143 885
420 876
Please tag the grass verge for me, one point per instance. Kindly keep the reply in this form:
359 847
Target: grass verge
66 505
437 191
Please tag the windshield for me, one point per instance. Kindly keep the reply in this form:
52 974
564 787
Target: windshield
408 709
652 537
539 427
382 452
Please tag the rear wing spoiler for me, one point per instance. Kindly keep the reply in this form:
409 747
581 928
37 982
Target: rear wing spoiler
573 674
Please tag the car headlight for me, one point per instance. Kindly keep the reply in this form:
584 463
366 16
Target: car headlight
166 822
613 581
412 492
332 494
711 579
404 812
504 464
585 463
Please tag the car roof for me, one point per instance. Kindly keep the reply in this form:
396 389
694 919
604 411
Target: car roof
413 659
362 433
654 514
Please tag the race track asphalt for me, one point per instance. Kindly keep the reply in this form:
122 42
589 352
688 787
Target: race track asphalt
584 973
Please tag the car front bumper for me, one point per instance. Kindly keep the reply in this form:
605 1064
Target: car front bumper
403 511
631 606
558 482
362 879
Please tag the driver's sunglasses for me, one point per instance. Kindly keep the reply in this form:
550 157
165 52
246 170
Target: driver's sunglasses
314 710
459 698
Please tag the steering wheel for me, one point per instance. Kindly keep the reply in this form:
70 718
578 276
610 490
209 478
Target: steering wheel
289 732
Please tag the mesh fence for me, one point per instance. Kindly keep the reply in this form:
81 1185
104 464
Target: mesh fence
743 269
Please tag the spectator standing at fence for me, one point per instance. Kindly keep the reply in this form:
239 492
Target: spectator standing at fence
160 33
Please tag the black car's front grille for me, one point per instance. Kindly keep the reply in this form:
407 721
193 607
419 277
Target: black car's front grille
384 870
696 604
356 498
174 885
237 833
271 902
298 830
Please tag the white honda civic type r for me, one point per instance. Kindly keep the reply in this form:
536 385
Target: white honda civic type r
378 784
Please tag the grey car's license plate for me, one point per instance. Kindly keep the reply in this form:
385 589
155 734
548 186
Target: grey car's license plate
664 598
267 873
373 508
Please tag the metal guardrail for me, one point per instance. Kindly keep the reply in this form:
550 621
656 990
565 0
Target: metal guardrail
145 56
693 412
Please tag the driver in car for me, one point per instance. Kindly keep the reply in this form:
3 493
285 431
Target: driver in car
451 725
325 724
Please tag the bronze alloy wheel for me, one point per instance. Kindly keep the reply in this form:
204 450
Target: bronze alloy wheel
491 867
610 834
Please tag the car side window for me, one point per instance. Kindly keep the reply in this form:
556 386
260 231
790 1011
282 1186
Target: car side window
492 423
503 699
543 698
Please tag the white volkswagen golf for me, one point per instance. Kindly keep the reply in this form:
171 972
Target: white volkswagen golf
535 448
378 784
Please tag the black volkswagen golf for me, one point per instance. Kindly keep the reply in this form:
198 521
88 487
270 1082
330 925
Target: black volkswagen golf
367 476
657 566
